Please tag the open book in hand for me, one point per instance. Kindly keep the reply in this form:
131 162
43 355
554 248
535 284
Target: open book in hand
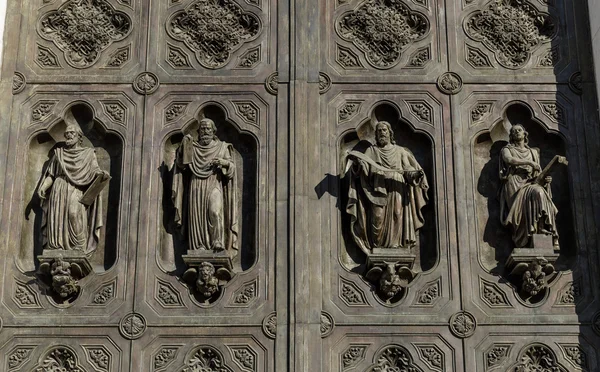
95 188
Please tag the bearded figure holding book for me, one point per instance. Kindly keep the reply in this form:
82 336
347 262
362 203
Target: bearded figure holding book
204 191
525 197
72 207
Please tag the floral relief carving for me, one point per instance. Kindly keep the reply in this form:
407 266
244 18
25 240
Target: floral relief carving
480 110
270 325
59 359
348 110
570 294
449 83
496 355
432 356
327 324
346 58
177 57
174 111
477 58
119 57
206 359
165 356
248 111
250 58
42 110
19 356
382 30
429 294
132 326
351 294
46 58
104 294
324 82
244 356
98 356
18 82
462 324
393 358
492 294
115 111
25 297
82 29
167 295
214 29
550 59
352 356
537 357
246 293
511 29
272 83
554 111
575 83
575 355
421 110
420 57
146 83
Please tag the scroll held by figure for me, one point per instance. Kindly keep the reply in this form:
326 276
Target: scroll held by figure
72 211
388 188
204 195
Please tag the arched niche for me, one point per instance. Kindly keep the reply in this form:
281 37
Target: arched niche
173 245
421 145
109 152
495 239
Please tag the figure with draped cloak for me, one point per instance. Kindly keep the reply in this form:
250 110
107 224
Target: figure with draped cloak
67 222
388 189
525 202
204 191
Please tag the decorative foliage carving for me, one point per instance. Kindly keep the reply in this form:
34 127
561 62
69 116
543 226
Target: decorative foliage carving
46 58
420 57
244 356
347 58
550 59
98 356
82 29
174 111
382 29
554 111
570 294
206 359
270 325
272 83
116 111
537 357
105 294
432 356
19 356
477 58
59 359
246 294
42 110
348 110
119 57
351 294
575 83
324 82
462 324
575 355
495 355
132 326
24 296
480 110
429 294
167 295
449 83
248 111
177 57
327 324
250 58
352 356
393 358
18 82
213 29
165 356
146 83
492 294
421 110
511 29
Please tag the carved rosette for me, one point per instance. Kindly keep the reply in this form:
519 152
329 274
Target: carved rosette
576 82
393 358
327 324
214 30
511 29
272 83
382 30
82 29
132 326
146 83
462 324
449 83
324 82
18 82
269 325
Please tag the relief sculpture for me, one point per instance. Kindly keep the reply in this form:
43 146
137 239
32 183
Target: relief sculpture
388 189
526 207
72 212
204 196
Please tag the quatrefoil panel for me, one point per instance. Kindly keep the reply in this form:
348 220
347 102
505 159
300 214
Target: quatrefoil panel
82 29
214 29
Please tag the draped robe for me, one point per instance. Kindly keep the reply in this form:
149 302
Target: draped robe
385 209
525 205
66 223
205 200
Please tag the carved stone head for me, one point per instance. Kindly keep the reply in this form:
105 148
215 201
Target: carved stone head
207 131
384 134
73 135
517 133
